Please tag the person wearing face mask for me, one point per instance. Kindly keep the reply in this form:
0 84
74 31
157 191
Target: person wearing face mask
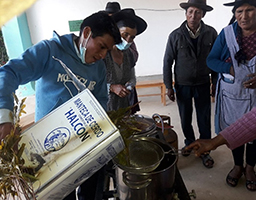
112 8
120 61
187 49
82 54
233 56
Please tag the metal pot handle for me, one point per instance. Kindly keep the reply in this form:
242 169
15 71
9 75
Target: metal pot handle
161 135
135 184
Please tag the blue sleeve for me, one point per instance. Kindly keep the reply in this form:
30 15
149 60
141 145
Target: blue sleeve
218 55
100 91
28 67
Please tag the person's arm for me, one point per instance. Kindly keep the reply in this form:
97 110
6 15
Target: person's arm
101 88
6 123
237 134
219 53
242 131
28 67
214 78
169 57
170 94
132 81
5 129
123 90
202 146
119 90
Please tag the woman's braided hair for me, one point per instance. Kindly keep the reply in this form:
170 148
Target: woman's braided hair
240 56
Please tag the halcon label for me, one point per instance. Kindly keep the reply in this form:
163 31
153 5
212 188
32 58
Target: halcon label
57 139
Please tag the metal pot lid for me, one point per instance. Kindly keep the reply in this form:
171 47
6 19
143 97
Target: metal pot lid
147 124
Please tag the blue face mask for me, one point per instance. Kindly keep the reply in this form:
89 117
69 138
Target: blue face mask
123 45
83 49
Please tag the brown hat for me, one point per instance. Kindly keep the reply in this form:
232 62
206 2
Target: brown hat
196 3
238 3
129 13
112 7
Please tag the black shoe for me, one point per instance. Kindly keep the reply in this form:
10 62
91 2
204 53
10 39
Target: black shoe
207 160
185 153
231 181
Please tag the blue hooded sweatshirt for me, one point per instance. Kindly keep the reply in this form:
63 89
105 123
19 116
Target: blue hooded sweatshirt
53 86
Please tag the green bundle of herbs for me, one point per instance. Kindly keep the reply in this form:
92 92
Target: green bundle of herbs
124 121
15 178
128 126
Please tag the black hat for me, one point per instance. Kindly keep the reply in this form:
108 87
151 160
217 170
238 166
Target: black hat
238 3
128 13
112 7
252 2
196 3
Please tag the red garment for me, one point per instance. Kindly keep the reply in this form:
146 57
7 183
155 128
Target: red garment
249 46
242 131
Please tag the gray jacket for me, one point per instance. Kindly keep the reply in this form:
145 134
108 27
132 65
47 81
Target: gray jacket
190 66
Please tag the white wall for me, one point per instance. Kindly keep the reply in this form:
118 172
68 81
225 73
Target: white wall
162 16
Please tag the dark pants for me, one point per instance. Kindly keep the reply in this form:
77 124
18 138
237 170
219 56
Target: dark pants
250 156
202 101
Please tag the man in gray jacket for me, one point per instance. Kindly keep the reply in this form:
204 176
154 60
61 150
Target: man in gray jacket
188 47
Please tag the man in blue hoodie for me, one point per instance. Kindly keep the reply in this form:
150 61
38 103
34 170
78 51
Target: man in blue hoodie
83 54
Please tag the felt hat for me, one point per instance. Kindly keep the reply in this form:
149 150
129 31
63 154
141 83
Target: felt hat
238 3
196 3
128 13
112 7
12 8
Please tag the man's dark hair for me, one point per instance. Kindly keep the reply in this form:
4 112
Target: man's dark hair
101 23
204 11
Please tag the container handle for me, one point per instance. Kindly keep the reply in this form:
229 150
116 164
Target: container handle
161 135
135 184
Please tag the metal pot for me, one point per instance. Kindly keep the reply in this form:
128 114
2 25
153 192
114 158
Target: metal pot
141 156
147 126
155 185
163 123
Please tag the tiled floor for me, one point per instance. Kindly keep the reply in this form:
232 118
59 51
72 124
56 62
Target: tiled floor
209 184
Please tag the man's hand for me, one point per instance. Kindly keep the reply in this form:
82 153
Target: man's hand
170 94
119 90
5 129
202 146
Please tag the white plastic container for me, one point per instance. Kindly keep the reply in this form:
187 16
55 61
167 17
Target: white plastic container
69 145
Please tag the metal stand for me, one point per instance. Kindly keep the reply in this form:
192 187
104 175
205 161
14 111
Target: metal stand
180 188
103 192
